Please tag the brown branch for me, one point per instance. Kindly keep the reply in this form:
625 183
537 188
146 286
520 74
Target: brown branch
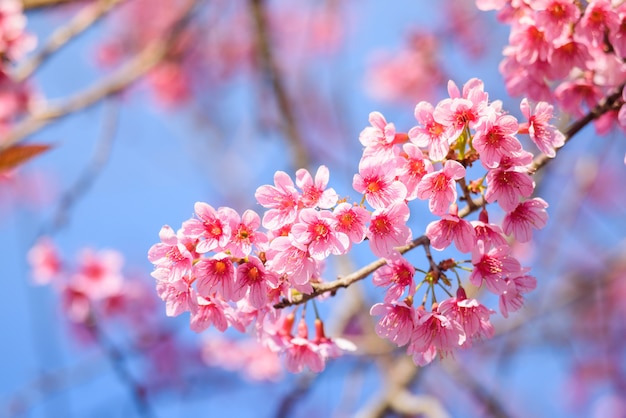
321 288
82 21
611 102
273 72
39 4
145 60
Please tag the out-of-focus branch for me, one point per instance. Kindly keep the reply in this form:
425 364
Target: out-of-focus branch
611 102
38 4
273 72
82 21
111 85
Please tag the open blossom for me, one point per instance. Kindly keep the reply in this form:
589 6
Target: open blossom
378 139
99 274
388 229
314 191
430 134
377 181
256 280
490 234
461 112
434 333
508 186
175 253
493 267
217 274
545 136
397 276
440 187
176 295
528 215
209 311
412 167
495 137
511 299
397 321
316 230
212 226
286 256
451 228
245 234
351 220
281 199
470 314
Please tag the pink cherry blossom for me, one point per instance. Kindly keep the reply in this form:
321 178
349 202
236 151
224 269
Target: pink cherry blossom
397 321
435 331
99 273
176 295
431 134
508 186
470 314
351 220
252 276
378 139
288 257
493 267
301 352
490 234
245 234
440 187
217 274
397 276
175 253
44 260
212 226
316 230
545 136
209 311
495 137
451 228
377 181
461 112
281 199
314 192
412 167
388 229
528 215
511 299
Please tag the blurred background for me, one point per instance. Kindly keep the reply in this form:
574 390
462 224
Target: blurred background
152 105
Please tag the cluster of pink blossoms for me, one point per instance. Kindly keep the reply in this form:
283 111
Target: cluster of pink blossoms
567 51
228 272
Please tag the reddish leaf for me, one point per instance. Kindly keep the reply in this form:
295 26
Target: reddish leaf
19 154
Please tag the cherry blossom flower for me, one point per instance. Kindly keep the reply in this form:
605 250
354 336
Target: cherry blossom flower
526 216
397 321
212 226
217 274
470 314
351 220
545 136
314 192
451 228
434 333
440 187
99 273
378 139
281 199
301 352
288 257
431 134
508 186
258 281
511 299
490 234
412 168
44 260
388 229
245 234
495 137
316 230
176 295
377 181
175 253
493 267
397 275
209 311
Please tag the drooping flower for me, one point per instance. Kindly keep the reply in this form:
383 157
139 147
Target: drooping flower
397 276
493 267
545 136
528 215
397 321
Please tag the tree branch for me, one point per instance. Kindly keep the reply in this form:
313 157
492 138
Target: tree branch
113 84
38 4
82 21
285 106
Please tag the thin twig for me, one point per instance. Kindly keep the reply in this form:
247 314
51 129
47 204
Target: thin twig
273 72
39 4
145 60
83 20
